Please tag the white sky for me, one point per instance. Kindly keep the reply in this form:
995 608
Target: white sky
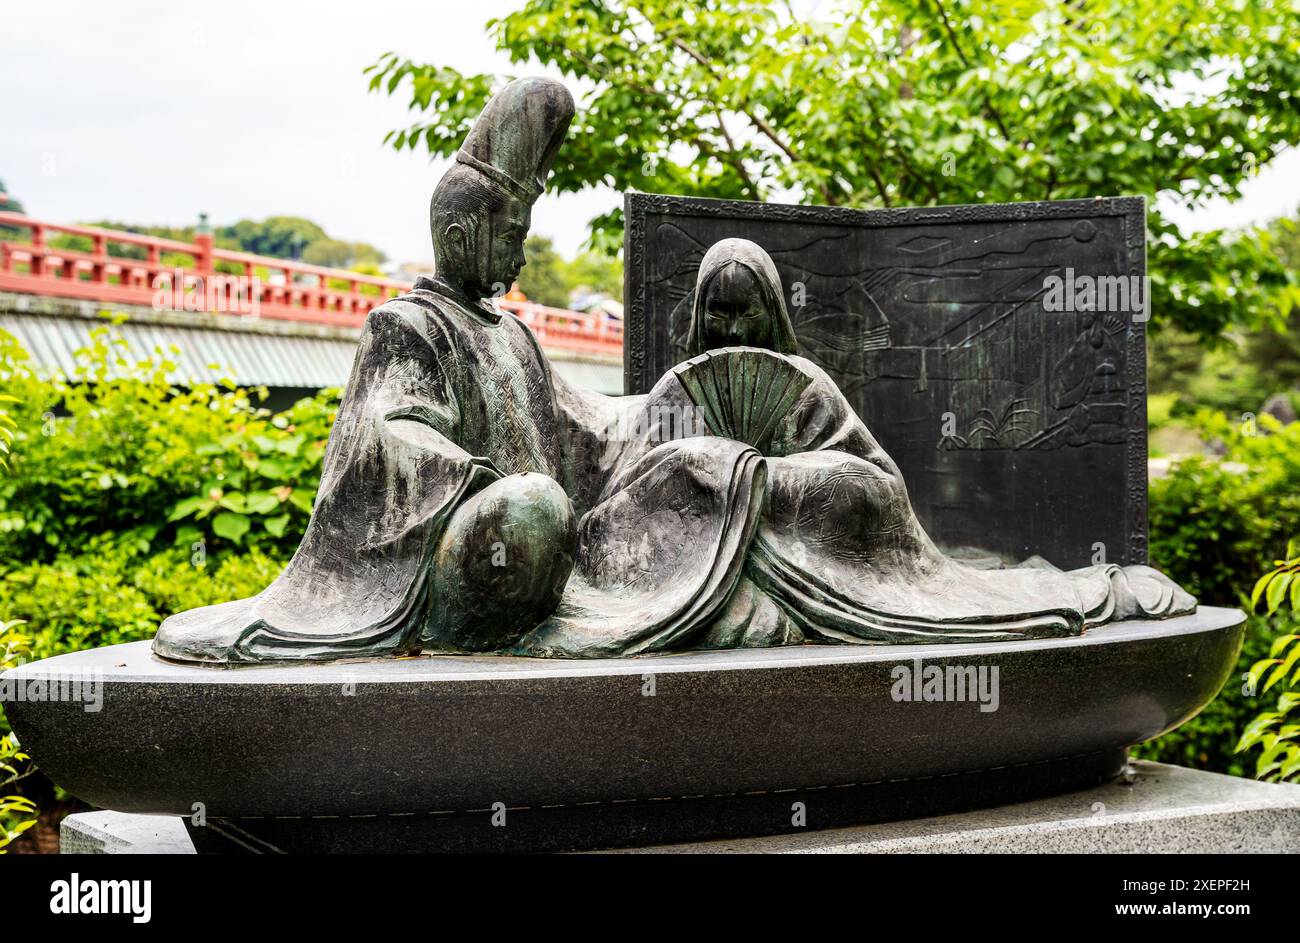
151 111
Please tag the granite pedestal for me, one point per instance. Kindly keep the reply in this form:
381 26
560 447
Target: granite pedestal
502 754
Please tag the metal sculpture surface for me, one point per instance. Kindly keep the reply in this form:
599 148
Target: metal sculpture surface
1017 416
471 501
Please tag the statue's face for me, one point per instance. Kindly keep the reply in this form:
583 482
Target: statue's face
478 234
505 256
735 313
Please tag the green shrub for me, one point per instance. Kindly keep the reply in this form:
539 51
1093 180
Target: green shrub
114 592
122 450
128 498
1275 733
17 813
1216 524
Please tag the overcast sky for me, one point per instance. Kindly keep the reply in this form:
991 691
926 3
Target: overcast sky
150 112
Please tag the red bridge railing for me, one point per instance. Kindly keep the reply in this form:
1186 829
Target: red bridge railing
118 267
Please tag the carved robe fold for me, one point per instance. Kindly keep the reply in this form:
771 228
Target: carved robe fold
700 542
440 397
841 551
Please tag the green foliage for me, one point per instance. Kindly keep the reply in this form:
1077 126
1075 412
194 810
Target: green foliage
1274 356
1240 373
117 592
1159 408
8 426
1227 382
595 270
129 499
1173 356
336 253
1276 733
551 279
1213 522
119 449
284 237
893 103
17 813
292 237
541 279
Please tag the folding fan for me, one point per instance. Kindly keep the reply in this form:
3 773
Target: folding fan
742 392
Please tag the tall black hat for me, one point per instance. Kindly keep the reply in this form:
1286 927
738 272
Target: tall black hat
515 139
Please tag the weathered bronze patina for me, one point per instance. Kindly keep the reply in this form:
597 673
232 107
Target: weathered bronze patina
1018 421
471 501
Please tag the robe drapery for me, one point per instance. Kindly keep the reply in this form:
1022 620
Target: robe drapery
442 397
701 542
842 552
686 540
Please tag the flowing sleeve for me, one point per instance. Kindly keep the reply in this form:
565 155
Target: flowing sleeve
393 474
824 421
662 547
597 430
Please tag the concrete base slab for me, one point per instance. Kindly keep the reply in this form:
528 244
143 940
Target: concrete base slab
1153 809
123 833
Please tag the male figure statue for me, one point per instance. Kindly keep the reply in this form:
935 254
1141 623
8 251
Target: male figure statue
441 520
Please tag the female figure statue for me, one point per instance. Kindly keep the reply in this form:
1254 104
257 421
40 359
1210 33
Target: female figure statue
699 541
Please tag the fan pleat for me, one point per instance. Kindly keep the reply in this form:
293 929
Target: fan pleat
742 393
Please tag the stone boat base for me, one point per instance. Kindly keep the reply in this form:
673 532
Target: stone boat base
491 753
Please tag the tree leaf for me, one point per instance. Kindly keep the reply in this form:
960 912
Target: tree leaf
1277 590
1260 585
231 526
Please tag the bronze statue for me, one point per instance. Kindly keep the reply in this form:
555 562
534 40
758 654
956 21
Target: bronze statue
813 540
448 441
742 502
